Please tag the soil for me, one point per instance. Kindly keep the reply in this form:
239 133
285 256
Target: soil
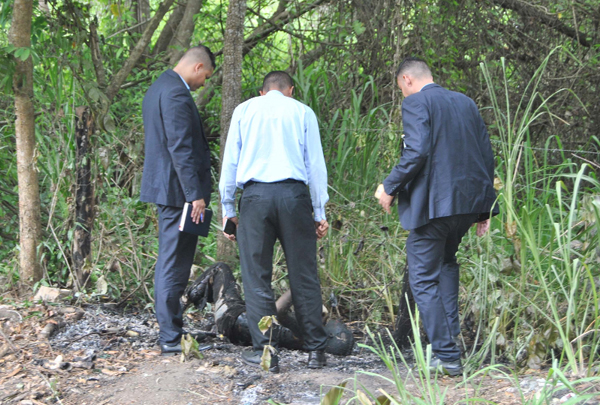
101 355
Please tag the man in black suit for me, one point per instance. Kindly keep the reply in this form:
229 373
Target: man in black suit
176 171
444 183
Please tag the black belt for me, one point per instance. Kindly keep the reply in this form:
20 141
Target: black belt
286 181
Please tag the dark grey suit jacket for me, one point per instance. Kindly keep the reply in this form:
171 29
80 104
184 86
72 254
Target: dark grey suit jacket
447 165
177 160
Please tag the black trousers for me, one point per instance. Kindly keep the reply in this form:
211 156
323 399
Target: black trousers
434 276
271 211
175 257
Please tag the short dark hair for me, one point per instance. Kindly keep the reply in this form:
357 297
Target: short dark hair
277 79
415 66
201 52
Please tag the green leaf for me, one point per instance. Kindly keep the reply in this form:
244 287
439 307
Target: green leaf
22 53
189 348
265 359
334 395
383 400
114 8
109 123
358 27
266 322
94 94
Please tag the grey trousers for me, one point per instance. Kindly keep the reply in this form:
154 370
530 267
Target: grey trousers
270 211
434 277
175 257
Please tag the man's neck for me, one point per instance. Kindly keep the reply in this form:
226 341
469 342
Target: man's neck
424 83
177 69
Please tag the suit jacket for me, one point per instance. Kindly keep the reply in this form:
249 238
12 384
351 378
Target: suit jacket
177 159
447 164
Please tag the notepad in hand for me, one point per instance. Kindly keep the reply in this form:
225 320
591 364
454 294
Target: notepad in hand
189 226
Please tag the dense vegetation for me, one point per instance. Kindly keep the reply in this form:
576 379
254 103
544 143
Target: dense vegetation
529 289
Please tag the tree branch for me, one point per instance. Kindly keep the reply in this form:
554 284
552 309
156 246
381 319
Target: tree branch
97 56
528 10
260 33
166 35
138 50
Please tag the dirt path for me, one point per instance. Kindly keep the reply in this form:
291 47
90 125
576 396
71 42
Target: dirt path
222 378
101 356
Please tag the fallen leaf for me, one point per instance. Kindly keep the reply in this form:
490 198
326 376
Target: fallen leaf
334 395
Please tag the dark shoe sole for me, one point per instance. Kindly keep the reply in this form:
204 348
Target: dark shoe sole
315 367
168 354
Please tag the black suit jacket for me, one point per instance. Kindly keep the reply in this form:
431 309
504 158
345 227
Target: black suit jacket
447 164
177 160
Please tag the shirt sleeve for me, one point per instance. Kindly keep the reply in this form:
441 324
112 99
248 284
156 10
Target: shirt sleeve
178 118
231 157
417 140
314 162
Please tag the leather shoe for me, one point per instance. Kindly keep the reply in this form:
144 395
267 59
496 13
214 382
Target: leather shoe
170 350
316 359
253 358
451 368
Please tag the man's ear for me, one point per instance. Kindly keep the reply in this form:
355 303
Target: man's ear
262 93
407 80
198 67
288 92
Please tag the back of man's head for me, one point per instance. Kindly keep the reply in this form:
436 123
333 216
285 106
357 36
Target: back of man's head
199 54
277 80
415 67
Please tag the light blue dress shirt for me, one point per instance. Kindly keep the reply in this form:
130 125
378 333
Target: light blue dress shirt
273 138
184 82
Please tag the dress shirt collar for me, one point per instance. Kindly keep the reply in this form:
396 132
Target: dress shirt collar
426 85
184 82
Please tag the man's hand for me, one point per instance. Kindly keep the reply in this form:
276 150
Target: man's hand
235 221
483 227
386 201
198 207
321 227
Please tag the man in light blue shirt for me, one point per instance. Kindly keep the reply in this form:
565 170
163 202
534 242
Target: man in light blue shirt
273 152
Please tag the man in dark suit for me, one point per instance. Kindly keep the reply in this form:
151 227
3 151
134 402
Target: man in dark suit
176 171
444 183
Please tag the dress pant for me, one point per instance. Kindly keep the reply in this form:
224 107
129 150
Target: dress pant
271 211
434 277
175 257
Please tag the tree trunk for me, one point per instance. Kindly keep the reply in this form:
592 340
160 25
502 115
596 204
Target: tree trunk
84 197
280 18
233 45
185 30
142 13
29 194
84 194
167 33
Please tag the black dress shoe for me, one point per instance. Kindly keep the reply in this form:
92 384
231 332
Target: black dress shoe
316 359
253 358
170 350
